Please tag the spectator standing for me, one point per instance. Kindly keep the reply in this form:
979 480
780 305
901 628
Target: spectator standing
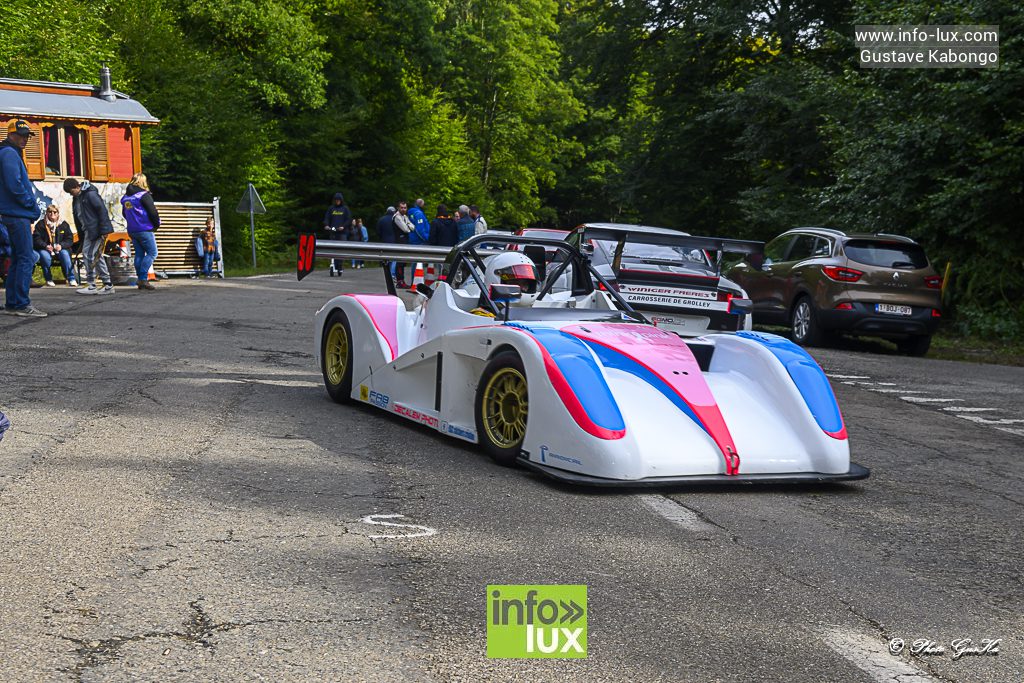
444 231
93 223
403 228
337 223
139 211
358 234
53 240
465 223
479 224
420 227
208 239
17 211
386 233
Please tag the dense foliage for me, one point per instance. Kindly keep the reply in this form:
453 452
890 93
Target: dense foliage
737 118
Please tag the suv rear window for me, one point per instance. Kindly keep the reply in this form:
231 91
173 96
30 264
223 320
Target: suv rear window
886 254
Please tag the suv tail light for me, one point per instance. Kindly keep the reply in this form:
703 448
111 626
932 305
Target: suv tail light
845 306
840 274
933 282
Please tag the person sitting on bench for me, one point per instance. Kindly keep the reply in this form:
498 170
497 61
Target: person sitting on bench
53 240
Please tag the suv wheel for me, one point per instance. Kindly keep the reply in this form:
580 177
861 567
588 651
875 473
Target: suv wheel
804 323
915 346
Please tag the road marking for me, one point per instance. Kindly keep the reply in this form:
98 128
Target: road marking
986 421
378 520
925 399
849 377
1018 432
677 513
966 409
871 656
896 391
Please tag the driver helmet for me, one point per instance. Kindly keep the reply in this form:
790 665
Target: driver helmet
513 268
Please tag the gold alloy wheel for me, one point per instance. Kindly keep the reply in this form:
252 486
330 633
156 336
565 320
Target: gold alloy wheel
505 407
336 353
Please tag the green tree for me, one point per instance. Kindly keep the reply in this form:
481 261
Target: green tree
504 78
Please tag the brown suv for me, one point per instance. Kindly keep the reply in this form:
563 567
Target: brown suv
818 280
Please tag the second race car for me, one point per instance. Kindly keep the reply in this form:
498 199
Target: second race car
672 277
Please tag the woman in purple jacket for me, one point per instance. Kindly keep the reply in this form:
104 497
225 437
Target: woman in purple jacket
143 220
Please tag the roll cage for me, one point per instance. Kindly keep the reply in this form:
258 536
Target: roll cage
466 262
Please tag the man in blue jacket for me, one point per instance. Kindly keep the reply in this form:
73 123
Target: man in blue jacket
421 226
18 210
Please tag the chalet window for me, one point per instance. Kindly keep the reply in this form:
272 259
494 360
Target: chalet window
81 150
63 150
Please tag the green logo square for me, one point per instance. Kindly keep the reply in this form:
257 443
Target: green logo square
542 621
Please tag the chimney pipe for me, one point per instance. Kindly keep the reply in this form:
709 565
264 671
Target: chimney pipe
106 92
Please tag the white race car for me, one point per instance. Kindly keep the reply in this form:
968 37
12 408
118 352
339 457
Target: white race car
574 383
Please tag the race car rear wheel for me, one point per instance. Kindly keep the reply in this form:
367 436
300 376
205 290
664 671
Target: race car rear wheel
336 357
502 407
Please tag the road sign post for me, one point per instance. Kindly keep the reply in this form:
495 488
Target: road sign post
251 204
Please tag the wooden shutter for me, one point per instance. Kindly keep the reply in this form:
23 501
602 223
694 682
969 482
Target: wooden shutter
99 153
136 150
34 161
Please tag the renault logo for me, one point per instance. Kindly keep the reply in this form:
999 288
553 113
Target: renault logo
896 276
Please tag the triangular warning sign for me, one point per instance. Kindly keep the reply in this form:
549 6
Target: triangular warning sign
251 202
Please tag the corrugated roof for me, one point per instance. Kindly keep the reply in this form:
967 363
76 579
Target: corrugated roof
24 103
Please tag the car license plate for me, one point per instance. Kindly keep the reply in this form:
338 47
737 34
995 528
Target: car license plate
895 310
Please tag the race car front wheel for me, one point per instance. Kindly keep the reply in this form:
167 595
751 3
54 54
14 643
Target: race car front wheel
336 357
502 407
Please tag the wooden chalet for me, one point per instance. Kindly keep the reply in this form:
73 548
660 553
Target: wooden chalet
94 132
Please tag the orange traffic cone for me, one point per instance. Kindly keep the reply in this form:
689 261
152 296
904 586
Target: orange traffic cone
417 276
431 275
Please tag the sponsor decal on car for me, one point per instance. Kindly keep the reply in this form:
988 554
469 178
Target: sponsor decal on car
415 415
672 296
546 453
537 621
373 397
670 291
458 430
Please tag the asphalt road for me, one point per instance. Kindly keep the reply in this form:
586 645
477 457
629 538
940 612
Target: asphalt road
180 501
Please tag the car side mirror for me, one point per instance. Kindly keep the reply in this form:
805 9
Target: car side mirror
505 294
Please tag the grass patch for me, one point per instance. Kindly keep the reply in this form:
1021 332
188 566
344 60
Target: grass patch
268 268
977 349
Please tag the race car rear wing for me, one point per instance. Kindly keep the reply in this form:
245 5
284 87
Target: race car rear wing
664 237
310 249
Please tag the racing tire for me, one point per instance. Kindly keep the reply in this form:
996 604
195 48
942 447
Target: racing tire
336 357
917 345
502 407
803 323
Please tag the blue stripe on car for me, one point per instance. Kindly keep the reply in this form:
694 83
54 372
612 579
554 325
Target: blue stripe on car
613 359
582 373
808 377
